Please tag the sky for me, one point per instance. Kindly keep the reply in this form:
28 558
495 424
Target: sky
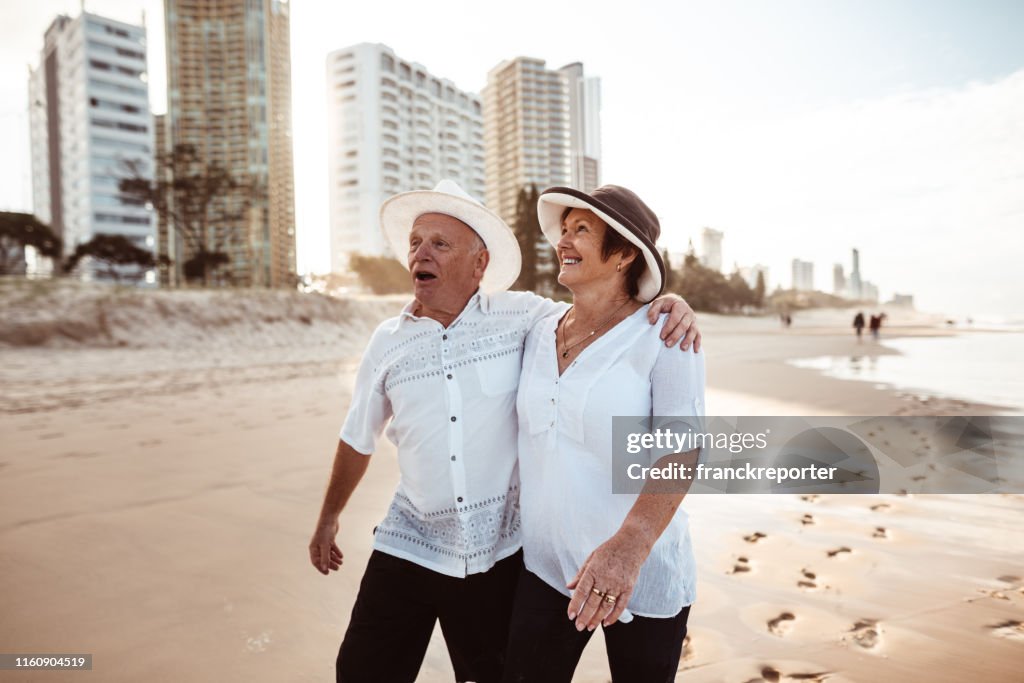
801 129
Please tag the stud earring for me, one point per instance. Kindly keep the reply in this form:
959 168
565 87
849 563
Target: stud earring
618 268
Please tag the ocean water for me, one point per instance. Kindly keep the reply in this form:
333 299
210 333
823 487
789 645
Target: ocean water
980 366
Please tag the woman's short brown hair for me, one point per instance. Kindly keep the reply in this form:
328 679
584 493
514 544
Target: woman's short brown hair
614 243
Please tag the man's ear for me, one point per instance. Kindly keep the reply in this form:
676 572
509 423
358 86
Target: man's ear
482 259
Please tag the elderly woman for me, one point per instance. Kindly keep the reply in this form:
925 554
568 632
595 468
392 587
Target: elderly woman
593 557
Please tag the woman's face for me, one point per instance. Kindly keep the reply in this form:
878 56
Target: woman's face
579 250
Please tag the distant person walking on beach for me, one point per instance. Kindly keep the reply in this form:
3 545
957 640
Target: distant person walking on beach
592 558
876 325
442 378
858 324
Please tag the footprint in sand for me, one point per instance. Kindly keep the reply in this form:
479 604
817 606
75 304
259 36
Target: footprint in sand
807 519
880 532
51 435
866 633
839 551
78 454
879 507
810 497
742 565
780 625
773 675
1012 629
754 537
808 582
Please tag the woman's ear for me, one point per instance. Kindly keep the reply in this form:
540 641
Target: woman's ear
627 259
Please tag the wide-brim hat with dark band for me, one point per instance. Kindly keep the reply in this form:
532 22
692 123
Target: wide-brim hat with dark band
398 213
624 212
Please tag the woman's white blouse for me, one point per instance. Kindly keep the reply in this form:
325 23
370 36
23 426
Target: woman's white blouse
565 454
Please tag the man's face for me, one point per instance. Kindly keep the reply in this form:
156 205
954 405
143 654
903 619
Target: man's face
446 259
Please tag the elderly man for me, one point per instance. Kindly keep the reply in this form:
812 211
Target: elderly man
442 377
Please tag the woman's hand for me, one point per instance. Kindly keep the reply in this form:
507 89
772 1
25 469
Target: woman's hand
611 569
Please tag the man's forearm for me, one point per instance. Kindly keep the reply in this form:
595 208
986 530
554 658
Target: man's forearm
349 467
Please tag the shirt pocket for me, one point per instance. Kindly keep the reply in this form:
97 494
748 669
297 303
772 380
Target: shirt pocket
499 372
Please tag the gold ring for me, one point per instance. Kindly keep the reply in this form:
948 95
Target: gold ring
597 592
610 599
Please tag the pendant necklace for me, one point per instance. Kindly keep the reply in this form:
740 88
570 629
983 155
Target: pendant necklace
567 348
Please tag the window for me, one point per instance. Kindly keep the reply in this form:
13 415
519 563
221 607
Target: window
130 53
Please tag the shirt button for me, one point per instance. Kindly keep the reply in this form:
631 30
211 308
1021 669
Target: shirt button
453 418
444 337
459 499
453 458
552 400
449 376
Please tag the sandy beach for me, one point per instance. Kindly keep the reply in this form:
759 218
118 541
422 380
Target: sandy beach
157 498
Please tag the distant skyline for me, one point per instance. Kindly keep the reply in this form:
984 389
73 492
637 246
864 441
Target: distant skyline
799 129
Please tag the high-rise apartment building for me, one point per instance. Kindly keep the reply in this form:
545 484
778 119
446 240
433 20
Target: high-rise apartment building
803 275
88 115
854 284
392 127
839 285
229 97
541 127
584 126
711 248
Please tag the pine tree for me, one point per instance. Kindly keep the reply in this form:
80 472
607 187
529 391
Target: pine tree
526 228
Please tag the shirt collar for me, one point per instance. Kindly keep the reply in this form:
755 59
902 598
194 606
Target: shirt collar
406 317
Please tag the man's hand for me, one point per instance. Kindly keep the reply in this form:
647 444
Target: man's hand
349 467
680 324
323 552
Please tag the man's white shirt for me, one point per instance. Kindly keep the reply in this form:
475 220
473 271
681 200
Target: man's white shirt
448 399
